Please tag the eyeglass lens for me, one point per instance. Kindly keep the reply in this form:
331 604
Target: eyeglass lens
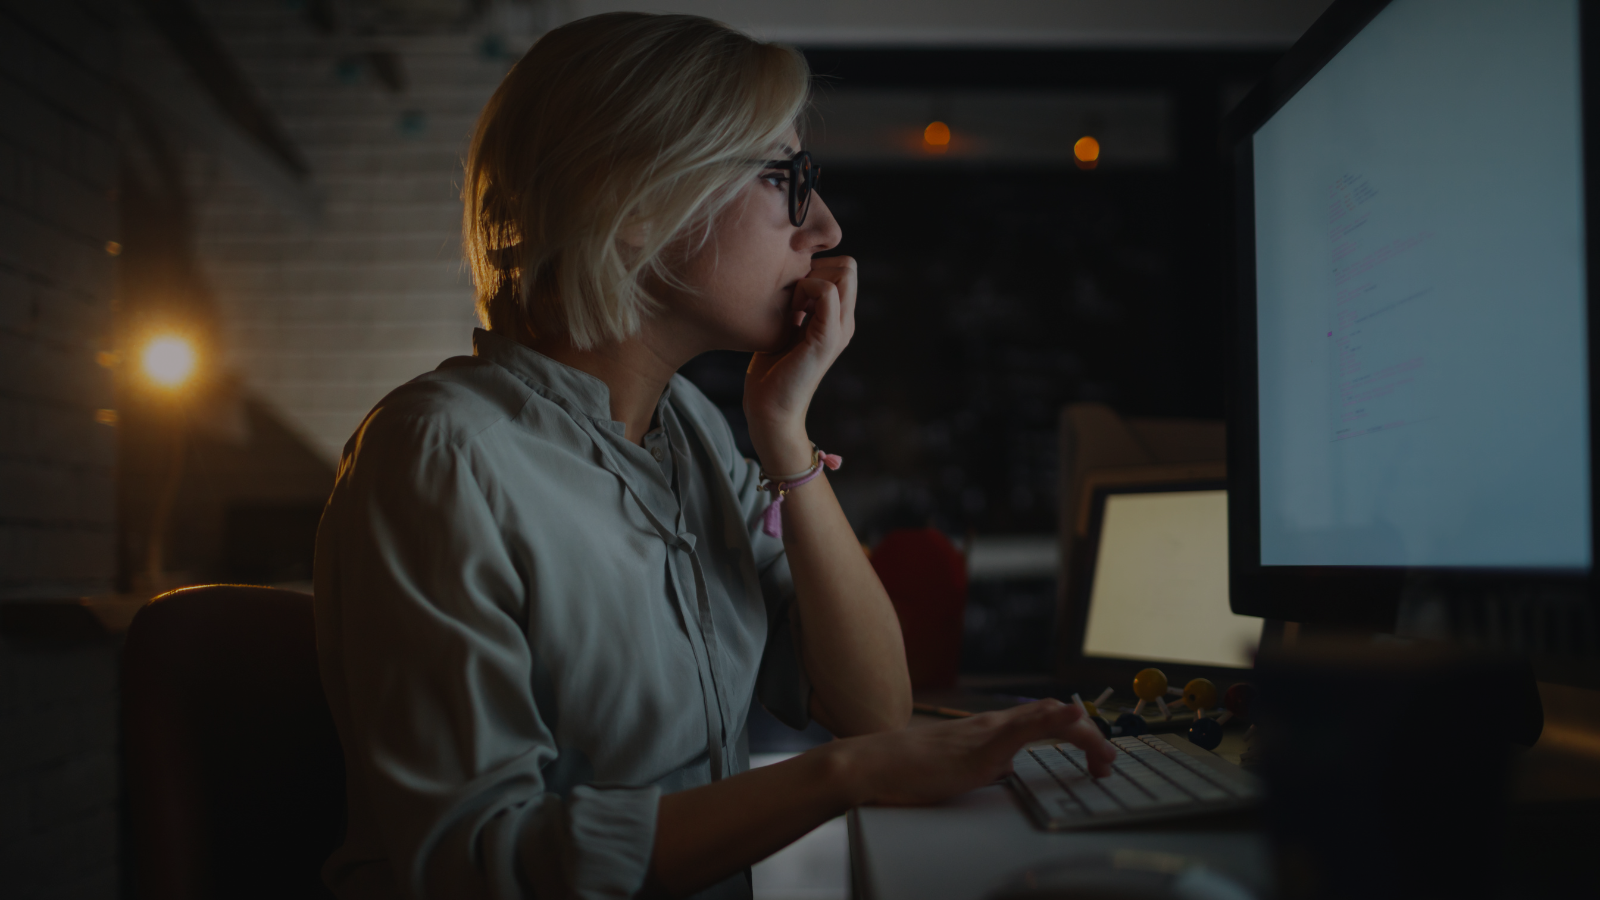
802 183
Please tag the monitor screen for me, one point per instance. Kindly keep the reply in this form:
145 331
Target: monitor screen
1160 587
1421 297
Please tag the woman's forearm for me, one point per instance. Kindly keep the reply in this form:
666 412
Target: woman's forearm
705 834
850 637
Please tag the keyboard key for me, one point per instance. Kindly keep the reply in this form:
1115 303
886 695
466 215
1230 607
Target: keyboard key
1199 787
1057 803
1194 784
1208 775
1148 775
1054 760
1092 796
1163 786
1070 772
1165 793
1126 791
1078 757
1118 785
1180 756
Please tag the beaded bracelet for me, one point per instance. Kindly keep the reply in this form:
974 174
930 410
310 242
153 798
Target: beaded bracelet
772 519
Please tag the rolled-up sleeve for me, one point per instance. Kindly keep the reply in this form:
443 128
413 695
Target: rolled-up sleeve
422 614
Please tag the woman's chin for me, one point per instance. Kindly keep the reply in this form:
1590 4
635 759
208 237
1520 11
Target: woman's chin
772 340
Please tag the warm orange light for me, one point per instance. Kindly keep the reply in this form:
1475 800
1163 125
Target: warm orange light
937 134
1087 152
168 360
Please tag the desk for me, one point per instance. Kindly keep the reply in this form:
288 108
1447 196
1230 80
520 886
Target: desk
978 842
983 840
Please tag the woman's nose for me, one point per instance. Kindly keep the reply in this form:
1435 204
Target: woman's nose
821 230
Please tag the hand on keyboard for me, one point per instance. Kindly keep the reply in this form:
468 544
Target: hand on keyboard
928 763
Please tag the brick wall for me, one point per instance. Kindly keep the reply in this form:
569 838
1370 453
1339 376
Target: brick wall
57 211
322 318
58 771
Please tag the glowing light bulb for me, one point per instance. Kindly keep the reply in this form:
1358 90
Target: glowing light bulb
1087 152
169 360
937 134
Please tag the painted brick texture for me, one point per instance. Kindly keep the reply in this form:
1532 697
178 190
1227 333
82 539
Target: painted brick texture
323 318
57 211
58 705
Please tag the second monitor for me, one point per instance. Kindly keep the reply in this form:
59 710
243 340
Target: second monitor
1154 586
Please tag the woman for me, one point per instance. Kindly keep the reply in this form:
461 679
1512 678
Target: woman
548 586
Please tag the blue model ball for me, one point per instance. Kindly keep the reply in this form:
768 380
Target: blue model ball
1103 725
1129 724
1205 733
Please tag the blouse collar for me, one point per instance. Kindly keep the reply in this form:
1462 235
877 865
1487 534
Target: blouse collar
582 391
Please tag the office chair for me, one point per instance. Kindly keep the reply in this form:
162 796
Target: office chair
235 779
925 577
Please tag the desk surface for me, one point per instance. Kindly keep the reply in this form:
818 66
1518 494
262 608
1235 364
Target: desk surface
982 841
970 846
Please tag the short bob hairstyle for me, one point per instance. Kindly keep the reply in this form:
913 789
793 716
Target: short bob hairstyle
608 150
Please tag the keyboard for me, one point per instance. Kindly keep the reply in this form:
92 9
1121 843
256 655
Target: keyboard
1155 776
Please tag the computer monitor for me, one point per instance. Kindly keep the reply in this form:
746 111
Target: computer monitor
1153 586
1414 394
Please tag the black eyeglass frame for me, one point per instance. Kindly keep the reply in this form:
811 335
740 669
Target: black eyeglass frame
804 179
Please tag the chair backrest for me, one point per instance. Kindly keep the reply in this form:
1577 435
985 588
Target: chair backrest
235 778
1095 438
925 577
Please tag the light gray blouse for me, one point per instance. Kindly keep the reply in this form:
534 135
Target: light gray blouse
529 628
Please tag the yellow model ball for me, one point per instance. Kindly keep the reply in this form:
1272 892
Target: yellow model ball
1200 694
1150 684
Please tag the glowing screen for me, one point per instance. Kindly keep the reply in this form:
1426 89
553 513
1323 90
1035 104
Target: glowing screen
1160 590
1421 296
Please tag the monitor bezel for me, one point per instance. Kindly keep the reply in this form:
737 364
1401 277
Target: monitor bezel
1114 671
1366 597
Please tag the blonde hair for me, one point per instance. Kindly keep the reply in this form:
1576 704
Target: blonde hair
615 137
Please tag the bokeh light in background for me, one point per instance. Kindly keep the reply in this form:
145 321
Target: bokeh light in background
936 137
1086 152
168 360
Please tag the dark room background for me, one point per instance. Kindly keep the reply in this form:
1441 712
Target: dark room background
996 291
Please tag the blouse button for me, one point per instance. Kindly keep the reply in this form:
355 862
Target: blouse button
656 452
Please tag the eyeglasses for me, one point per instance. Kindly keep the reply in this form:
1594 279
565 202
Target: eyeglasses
804 178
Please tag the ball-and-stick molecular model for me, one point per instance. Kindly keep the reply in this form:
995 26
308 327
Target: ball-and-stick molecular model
1150 686
1091 712
1237 702
1126 724
1200 695
1205 733
1131 724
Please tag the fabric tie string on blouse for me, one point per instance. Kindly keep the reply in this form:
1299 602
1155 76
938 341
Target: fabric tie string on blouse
772 519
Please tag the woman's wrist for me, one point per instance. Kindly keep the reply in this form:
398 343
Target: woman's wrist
842 773
784 453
